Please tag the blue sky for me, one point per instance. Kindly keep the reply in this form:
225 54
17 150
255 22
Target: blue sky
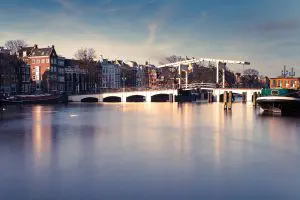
264 32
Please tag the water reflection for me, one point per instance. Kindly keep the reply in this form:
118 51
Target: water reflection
42 135
155 151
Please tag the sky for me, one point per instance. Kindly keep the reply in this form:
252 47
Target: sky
264 32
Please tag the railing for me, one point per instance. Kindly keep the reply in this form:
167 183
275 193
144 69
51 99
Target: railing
199 85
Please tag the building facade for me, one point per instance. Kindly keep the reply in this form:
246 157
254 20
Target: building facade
286 83
60 74
43 67
24 82
111 75
75 77
8 75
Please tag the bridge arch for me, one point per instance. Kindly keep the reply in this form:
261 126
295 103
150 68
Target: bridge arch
160 97
112 99
136 98
90 100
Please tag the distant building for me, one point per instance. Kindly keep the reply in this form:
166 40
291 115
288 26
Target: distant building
111 74
141 77
4 51
128 73
75 77
151 76
60 74
287 83
8 75
24 82
43 66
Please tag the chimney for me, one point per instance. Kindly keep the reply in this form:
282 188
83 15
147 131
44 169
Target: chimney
35 46
52 46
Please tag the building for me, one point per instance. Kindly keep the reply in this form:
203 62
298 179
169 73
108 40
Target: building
286 83
128 73
75 77
151 76
24 82
8 75
141 77
4 51
15 74
60 74
111 74
43 67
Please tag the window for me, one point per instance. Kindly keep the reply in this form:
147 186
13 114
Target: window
292 83
33 61
38 61
47 60
275 92
43 60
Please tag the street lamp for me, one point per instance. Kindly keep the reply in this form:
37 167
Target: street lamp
186 78
123 79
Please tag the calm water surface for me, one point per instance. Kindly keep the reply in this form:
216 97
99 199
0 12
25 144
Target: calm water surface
148 151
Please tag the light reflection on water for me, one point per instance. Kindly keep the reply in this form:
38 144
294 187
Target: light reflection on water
148 151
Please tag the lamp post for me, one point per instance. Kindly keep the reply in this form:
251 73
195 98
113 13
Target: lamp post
123 79
284 72
186 78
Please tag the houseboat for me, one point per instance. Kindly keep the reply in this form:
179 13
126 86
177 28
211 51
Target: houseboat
282 101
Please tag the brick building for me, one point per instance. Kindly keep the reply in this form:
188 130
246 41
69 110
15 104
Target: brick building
286 83
44 68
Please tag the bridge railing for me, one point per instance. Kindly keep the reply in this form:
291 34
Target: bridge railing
135 89
199 85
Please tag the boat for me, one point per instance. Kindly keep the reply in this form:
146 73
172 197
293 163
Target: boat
282 101
33 99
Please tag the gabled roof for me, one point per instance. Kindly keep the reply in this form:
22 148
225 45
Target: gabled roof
41 52
35 51
28 51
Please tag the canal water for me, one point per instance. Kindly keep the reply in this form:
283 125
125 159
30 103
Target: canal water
156 151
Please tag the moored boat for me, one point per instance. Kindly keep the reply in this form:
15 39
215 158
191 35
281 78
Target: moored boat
33 99
283 101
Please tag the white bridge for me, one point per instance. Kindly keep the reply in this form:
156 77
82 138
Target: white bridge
124 96
167 95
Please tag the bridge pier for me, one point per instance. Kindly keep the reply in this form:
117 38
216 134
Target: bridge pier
249 96
123 99
148 98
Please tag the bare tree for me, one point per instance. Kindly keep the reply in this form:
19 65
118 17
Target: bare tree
86 57
251 72
85 54
15 45
171 59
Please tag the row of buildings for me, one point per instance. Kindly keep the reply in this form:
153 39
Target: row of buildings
40 70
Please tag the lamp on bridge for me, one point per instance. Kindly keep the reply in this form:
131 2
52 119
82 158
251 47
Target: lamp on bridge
123 79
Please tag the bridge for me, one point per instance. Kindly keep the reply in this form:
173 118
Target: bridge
161 95
127 96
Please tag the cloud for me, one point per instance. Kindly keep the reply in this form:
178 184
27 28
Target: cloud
68 5
152 31
274 26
